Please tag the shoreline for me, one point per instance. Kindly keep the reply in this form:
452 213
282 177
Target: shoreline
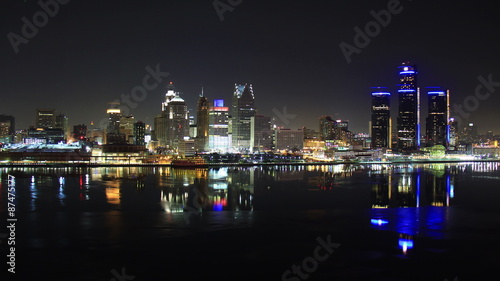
212 165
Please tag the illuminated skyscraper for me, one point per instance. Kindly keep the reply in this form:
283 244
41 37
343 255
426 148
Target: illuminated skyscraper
169 96
218 137
113 135
177 121
437 128
139 133
381 119
242 110
409 109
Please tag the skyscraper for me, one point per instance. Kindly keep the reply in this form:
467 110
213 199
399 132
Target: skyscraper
127 128
172 124
45 118
262 134
437 127
62 123
177 121
243 108
381 119
113 135
9 123
218 137
139 133
202 123
409 108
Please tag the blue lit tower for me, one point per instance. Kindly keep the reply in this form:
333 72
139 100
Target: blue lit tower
381 118
409 108
436 125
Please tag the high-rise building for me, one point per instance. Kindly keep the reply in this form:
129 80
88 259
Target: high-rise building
469 134
139 133
160 129
326 124
113 135
334 132
243 108
127 128
437 128
45 118
453 125
7 128
202 123
62 123
409 108
381 119
218 123
261 133
177 119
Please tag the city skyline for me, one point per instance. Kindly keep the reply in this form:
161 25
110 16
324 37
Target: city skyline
74 62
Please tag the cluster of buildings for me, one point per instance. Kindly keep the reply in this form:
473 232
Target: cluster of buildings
235 127
408 136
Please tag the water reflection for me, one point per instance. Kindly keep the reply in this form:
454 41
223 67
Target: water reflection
298 187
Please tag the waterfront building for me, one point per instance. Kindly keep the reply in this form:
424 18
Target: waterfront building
408 126
242 110
381 119
437 127
288 139
218 127
261 133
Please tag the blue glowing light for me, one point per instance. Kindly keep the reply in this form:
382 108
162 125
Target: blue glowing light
378 221
217 207
436 93
381 93
405 91
405 243
407 72
219 103
418 190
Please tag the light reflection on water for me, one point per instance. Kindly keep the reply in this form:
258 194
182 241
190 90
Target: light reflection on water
411 198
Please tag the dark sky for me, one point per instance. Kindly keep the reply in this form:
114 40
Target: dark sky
91 52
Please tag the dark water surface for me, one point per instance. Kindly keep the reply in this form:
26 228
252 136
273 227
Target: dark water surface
338 222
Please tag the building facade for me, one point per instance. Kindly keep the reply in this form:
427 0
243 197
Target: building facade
408 126
437 127
218 127
381 119
242 110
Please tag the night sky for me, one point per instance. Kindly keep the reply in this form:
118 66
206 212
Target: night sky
91 52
